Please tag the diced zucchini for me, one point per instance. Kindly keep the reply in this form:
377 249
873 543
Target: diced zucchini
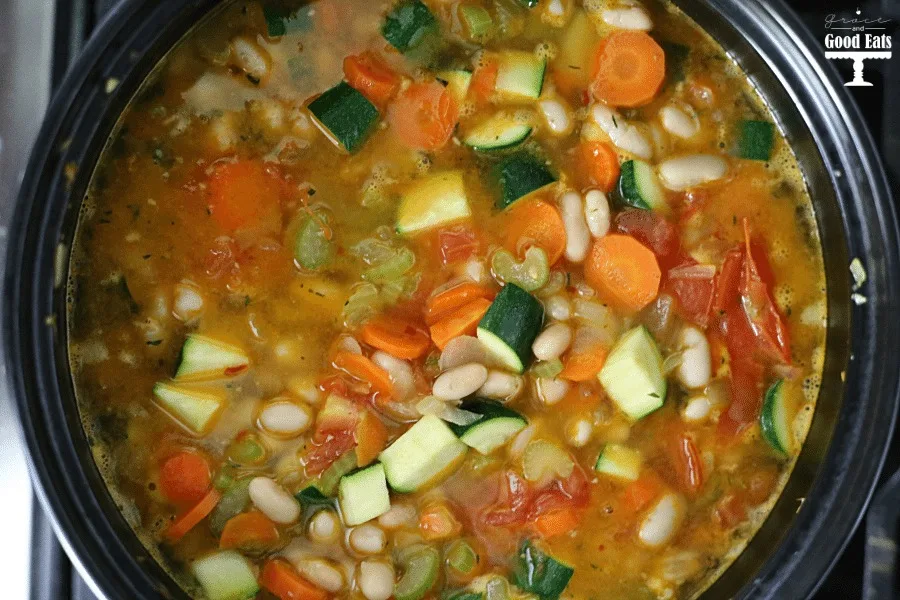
457 83
408 24
495 426
639 187
313 248
477 22
225 575
539 573
519 175
633 374
195 409
363 494
774 420
203 357
510 326
572 65
433 201
497 133
756 139
311 497
344 115
461 557
619 461
520 75
427 452
420 565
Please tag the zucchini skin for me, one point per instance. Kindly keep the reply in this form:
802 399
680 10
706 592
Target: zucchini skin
756 139
518 175
347 114
516 318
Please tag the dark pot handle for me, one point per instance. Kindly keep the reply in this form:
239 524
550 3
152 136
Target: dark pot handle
880 578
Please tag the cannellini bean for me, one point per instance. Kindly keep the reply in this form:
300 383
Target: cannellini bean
400 372
635 18
596 213
348 343
557 116
518 444
578 236
578 432
376 580
622 133
324 527
188 302
695 369
475 270
696 409
460 351
552 342
501 385
551 391
285 418
367 539
273 500
556 8
684 172
459 382
323 573
249 56
398 516
678 122
661 522
558 308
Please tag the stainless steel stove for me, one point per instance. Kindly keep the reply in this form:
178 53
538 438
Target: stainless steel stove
39 39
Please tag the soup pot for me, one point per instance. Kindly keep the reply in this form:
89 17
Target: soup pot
836 470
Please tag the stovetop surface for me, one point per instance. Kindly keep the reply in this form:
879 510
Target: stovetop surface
53 577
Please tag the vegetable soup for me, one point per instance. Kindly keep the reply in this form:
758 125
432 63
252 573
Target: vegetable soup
472 300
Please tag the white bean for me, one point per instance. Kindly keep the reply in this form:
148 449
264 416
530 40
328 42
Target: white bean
460 351
551 391
459 382
273 501
400 372
552 342
376 580
684 172
398 516
475 270
188 302
323 527
367 539
253 59
323 573
695 369
520 442
696 409
634 18
622 133
556 115
596 213
661 522
678 122
556 8
349 344
501 385
578 432
285 418
558 308
578 236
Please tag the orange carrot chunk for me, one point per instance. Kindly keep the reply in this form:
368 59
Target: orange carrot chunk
440 305
371 438
624 272
558 522
533 222
249 531
397 337
364 369
184 477
423 116
280 579
584 364
437 522
197 513
599 164
628 70
463 321
245 195
371 76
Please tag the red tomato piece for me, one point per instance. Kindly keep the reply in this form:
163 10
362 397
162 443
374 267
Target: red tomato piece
245 195
653 231
332 445
694 291
457 244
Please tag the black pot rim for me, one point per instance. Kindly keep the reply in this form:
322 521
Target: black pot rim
130 40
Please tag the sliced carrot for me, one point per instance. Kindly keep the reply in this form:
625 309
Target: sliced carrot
628 69
364 369
462 321
371 438
599 164
641 492
279 578
184 477
197 513
245 195
584 364
423 115
372 77
437 522
249 531
484 80
442 304
397 337
557 522
535 222
623 271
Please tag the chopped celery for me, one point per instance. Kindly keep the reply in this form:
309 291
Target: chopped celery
373 251
391 269
246 451
544 460
329 479
361 305
477 20
461 557
547 369
420 570
313 248
530 274
402 287
496 588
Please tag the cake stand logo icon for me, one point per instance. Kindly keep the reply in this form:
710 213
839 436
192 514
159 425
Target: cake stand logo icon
857 38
